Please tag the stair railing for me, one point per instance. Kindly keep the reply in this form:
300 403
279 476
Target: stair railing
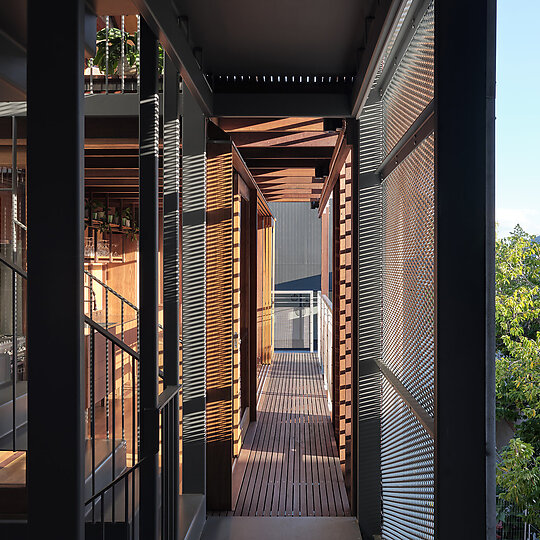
17 274
116 502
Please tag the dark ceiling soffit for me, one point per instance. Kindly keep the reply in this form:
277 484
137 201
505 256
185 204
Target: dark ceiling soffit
381 27
163 20
335 105
241 168
336 164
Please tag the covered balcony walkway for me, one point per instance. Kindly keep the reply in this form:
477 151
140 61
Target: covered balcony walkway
289 461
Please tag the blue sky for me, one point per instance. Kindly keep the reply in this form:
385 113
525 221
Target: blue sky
518 116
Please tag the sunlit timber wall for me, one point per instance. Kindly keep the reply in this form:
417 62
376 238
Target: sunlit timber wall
265 290
221 368
342 319
397 148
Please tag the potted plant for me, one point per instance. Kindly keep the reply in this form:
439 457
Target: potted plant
98 210
126 217
114 43
112 215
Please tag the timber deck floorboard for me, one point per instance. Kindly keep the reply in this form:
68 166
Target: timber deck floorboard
292 463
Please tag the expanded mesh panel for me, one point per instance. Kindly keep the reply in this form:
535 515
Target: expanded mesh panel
407 455
408 273
411 87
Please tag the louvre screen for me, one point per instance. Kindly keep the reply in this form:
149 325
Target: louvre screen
401 95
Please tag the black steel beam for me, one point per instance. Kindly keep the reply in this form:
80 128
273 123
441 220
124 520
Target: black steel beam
330 105
163 20
465 344
148 281
55 457
383 23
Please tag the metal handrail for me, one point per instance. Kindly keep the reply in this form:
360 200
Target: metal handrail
111 337
111 484
117 294
14 267
326 300
112 291
167 395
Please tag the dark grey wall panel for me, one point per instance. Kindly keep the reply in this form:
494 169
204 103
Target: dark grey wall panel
298 246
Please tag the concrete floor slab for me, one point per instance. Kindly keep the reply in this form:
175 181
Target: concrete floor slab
281 528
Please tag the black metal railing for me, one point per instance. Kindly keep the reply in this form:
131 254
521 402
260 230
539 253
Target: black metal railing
115 68
113 501
13 357
113 426
168 405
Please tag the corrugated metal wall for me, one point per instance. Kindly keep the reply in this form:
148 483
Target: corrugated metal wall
298 246
298 268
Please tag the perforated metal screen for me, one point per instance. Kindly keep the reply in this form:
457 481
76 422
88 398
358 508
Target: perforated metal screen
411 87
408 273
408 294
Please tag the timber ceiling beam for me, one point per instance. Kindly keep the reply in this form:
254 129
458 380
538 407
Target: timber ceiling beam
256 165
284 139
287 152
270 125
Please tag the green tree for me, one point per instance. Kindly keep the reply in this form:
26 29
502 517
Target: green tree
518 479
518 369
517 316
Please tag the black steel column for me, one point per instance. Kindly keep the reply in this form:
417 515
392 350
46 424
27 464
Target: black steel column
193 296
367 207
465 222
171 265
148 280
55 274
